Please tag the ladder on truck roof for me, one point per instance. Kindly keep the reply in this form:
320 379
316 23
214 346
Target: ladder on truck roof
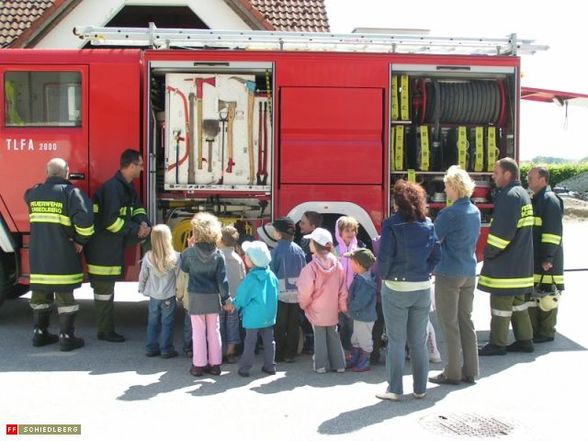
303 41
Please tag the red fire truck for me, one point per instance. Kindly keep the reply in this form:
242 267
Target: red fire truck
253 125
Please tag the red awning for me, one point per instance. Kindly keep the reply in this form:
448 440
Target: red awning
553 96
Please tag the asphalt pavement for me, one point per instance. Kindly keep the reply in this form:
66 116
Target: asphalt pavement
114 392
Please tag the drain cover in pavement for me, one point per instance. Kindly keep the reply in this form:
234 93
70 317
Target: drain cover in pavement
466 424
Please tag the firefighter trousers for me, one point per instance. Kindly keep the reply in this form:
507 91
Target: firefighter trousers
41 301
543 322
104 303
505 310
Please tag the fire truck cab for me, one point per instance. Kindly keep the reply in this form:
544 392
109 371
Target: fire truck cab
255 125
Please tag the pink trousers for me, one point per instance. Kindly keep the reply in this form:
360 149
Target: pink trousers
206 340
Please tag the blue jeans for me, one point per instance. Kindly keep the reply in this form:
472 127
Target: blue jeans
406 315
160 325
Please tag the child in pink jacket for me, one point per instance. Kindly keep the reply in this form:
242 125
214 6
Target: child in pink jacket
322 293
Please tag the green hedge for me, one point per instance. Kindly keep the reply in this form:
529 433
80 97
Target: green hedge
558 172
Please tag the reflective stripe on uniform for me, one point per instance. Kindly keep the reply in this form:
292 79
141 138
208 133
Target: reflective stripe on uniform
40 306
500 313
532 304
138 211
116 226
492 282
548 279
56 279
101 270
538 221
103 297
528 221
96 208
519 308
122 211
52 218
88 231
550 238
67 309
497 242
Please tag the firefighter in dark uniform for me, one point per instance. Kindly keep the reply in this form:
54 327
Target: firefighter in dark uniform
61 223
507 272
121 222
548 251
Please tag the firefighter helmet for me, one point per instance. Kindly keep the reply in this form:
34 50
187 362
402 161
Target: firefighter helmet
549 302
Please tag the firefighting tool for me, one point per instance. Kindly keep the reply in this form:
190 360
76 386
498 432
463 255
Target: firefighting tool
187 123
250 87
425 151
398 148
479 149
200 82
191 171
492 151
211 128
231 107
177 137
223 117
262 145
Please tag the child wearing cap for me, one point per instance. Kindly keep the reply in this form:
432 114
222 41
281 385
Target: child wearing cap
288 259
362 308
229 320
322 294
257 302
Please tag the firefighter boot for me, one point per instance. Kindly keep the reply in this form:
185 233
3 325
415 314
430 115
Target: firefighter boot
41 335
105 321
67 340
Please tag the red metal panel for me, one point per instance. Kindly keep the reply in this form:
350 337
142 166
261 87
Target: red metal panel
115 116
331 135
25 151
369 197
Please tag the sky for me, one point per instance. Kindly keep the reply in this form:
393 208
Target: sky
544 130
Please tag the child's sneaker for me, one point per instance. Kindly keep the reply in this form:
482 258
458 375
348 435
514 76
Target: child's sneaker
321 370
197 371
214 369
340 370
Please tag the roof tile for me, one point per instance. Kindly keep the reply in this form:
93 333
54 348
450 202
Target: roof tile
16 16
294 15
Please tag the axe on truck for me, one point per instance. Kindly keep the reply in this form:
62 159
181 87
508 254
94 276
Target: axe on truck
250 87
199 95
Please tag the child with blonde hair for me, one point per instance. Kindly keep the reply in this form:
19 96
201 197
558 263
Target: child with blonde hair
157 280
322 294
208 290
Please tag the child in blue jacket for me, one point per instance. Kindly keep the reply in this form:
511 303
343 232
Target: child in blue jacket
257 302
361 307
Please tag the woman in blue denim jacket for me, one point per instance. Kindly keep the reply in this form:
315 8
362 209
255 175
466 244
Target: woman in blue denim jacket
409 251
458 229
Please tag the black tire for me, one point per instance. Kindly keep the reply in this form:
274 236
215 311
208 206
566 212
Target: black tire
8 286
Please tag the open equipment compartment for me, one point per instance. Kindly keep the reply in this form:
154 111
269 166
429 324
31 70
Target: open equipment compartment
452 115
211 143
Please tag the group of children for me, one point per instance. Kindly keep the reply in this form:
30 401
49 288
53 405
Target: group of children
337 291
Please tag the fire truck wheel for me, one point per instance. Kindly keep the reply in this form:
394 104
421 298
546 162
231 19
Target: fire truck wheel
8 286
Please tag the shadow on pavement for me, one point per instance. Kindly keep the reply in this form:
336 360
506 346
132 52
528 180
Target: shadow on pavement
102 358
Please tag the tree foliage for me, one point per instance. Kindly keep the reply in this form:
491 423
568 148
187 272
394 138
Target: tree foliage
558 172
